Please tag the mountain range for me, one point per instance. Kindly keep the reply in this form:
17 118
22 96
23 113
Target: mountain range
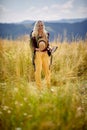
65 28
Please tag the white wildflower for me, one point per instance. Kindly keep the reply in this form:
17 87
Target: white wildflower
52 90
25 114
16 89
25 99
21 104
16 103
9 111
0 112
18 128
5 108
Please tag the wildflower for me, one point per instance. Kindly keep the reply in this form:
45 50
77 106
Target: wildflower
25 99
79 111
16 103
52 90
16 89
9 111
5 108
21 104
0 112
18 128
25 114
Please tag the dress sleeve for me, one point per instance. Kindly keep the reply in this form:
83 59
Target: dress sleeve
33 42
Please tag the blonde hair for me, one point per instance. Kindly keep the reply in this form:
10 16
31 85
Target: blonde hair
35 29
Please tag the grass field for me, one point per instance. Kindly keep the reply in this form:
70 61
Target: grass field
23 107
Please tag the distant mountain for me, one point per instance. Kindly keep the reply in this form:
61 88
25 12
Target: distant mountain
57 21
27 22
13 30
69 30
69 20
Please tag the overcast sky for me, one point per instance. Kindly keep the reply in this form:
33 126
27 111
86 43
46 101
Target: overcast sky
19 10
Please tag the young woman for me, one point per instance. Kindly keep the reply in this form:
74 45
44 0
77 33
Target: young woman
40 46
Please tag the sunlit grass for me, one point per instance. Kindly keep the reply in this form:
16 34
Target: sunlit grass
23 106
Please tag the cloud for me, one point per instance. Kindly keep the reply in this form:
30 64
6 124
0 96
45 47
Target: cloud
47 12
81 11
3 9
3 13
68 4
55 11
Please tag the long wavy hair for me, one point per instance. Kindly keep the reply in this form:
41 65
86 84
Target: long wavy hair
35 29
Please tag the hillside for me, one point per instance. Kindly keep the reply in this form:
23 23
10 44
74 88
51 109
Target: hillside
56 29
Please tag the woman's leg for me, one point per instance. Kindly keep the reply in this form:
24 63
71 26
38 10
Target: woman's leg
46 67
38 68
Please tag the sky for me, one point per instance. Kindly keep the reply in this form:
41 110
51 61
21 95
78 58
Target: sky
20 10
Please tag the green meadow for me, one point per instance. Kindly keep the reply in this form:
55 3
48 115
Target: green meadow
24 107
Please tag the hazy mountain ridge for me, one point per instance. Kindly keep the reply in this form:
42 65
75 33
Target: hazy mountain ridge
75 29
57 21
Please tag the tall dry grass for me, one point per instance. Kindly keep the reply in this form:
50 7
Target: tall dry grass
15 59
23 107
70 62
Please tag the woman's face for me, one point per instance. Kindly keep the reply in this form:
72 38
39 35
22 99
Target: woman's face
40 26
